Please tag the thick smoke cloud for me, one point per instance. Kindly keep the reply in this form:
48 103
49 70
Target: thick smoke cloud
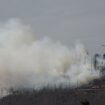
26 62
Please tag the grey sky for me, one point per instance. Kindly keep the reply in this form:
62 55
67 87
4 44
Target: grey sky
64 20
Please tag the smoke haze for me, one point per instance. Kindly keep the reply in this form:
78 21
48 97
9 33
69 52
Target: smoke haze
26 62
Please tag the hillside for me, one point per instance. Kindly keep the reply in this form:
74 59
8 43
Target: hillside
56 97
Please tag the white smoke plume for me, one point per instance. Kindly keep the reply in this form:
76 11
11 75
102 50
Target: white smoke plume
26 62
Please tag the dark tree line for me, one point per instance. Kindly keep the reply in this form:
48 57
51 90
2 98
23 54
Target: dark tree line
98 61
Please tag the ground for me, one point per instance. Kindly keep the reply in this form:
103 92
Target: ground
56 97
